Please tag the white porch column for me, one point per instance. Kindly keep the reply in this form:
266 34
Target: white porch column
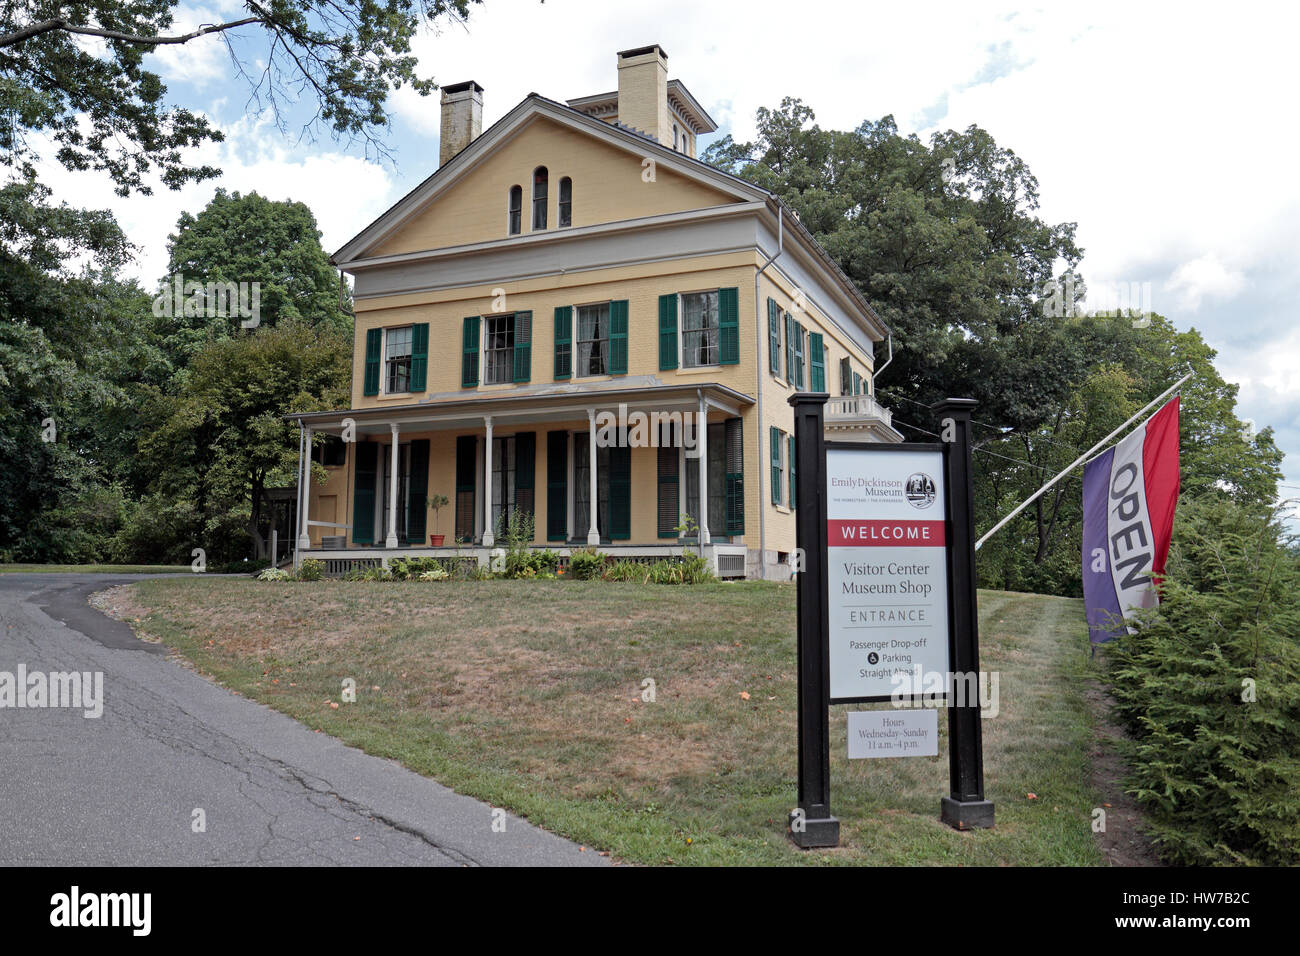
593 532
702 446
304 493
391 540
489 539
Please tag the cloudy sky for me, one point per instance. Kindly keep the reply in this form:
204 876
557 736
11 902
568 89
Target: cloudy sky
1166 132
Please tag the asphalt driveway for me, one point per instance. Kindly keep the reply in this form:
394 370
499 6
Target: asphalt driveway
123 788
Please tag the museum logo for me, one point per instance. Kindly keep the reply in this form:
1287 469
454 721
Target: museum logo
921 490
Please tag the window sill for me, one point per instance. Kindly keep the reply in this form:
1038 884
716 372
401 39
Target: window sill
696 369
394 396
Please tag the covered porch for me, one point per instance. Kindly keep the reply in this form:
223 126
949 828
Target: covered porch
624 469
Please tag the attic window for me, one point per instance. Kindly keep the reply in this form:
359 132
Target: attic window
516 209
540 178
675 146
566 202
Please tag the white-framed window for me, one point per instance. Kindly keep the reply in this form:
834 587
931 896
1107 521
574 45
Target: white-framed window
592 339
541 181
566 202
515 217
699 312
498 349
397 360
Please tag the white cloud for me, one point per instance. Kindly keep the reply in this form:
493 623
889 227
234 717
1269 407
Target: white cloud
345 192
1204 277
197 61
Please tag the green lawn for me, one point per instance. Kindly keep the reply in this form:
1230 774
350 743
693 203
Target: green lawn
526 694
94 569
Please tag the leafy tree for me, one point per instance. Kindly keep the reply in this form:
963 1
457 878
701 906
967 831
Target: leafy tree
944 242
75 73
246 239
222 441
69 347
1219 456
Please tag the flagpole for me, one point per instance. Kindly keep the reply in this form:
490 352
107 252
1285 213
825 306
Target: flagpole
1082 458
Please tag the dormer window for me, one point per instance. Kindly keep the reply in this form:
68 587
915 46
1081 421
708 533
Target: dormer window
540 178
516 209
566 202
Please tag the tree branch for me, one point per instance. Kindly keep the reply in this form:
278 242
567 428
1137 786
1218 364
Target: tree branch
49 26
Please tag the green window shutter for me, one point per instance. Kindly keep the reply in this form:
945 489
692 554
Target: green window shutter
417 507
667 333
729 326
620 493
794 501
363 499
419 357
374 344
789 348
776 464
846 376
525 473
735 463
798 356
773 337
667 495
466 453
563 341
469 353
618 337
816 362
857 384
523 346
557 490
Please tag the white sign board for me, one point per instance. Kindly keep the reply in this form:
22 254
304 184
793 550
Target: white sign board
888 573
893 733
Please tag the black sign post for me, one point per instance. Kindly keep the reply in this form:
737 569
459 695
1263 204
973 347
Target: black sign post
811 825
965 808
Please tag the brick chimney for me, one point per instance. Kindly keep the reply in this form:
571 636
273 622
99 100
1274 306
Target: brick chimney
462 118
643 92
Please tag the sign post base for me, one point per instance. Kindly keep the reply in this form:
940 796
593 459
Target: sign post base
967 814
815 834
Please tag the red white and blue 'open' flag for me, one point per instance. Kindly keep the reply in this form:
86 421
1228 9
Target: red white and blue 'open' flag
1130 492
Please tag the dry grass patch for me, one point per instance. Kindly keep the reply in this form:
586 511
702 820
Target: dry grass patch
528 694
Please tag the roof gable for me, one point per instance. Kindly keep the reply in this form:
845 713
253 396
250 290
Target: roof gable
465 201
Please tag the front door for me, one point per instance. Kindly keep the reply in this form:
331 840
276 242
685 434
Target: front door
613 490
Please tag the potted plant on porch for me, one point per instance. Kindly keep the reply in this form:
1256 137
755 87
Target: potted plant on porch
436 504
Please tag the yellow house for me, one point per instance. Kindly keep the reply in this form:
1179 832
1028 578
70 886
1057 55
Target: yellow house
575 318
